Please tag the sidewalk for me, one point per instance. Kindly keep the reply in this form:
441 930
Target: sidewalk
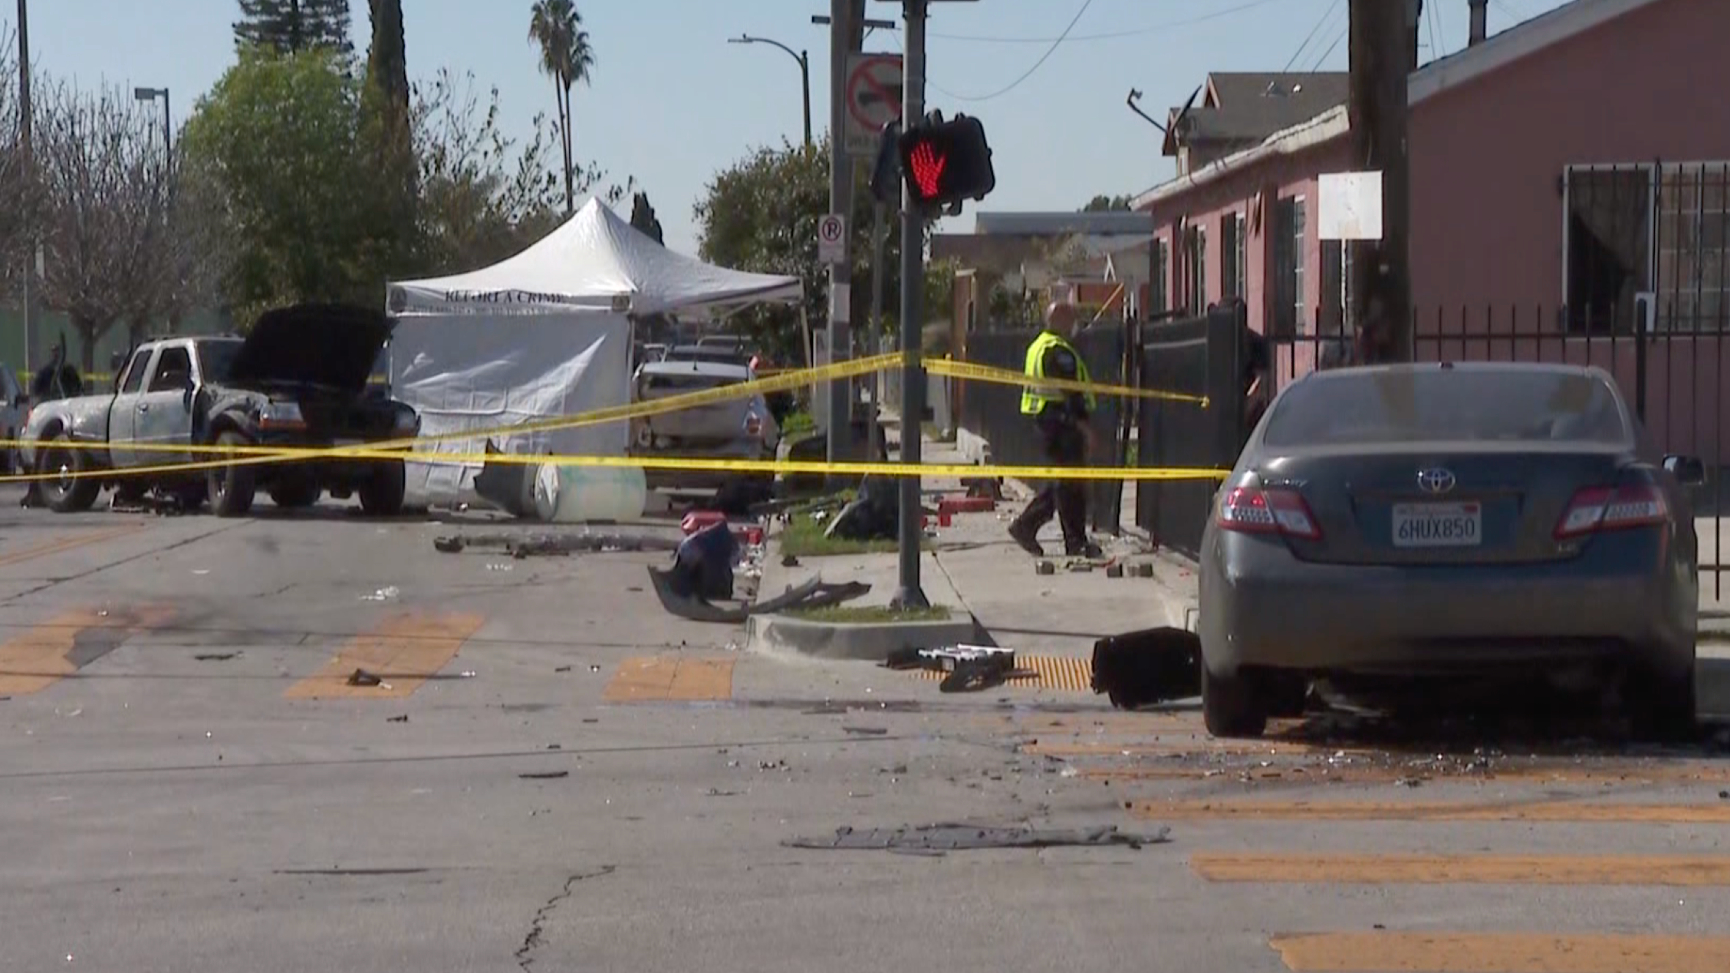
975 568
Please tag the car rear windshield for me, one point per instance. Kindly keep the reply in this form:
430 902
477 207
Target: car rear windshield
673 384
1448 405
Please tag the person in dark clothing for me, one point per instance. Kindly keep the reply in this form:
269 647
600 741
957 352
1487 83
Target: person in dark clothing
1061 416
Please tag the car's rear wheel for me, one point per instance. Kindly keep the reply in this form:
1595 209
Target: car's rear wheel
231 488
1230 706
295 492
383 493
1660 707
68 492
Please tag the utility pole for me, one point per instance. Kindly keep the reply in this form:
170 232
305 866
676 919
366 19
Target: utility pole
908 593
26 121
1381 61
846 22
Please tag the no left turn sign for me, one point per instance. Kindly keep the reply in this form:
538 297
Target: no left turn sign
832 239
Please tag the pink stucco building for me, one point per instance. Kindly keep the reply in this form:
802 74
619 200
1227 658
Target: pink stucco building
1569 180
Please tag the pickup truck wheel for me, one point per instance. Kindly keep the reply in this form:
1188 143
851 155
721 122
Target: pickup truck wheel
67 494
231 488
382 495
292 494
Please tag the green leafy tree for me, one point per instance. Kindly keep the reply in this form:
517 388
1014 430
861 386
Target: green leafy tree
568 57
387 132
1107 204
643 218
761 214
279 138
294 26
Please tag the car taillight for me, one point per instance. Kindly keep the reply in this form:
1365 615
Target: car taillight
1272 511
753 425
1612 508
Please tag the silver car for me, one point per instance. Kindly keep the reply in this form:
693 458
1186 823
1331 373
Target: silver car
739 428
1388 524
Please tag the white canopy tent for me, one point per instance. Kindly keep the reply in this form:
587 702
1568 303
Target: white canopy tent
546 333
596 261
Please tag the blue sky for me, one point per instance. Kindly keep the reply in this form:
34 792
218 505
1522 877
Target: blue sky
672 102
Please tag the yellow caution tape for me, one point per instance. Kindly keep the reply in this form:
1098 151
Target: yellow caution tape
809 467
1003 376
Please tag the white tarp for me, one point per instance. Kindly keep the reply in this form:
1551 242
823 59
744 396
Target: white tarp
595 260
478 371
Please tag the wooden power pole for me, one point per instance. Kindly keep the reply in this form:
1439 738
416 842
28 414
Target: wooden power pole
1381 285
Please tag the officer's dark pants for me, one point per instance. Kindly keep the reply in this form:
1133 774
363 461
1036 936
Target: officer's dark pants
1067 499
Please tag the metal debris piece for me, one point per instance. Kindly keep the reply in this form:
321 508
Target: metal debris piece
868 731
1155 665
215 656
546 775
967 837
397 719
360 677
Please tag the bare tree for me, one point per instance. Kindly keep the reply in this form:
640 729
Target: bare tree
105 230
17 196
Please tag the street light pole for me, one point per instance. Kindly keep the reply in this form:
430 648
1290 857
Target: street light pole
26 122
151 94
804 72
908 593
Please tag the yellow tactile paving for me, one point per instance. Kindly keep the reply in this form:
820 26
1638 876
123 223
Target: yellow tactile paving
67 543
652 679
45 653
1407 869
1045 672
1551 811
1411 952
404 652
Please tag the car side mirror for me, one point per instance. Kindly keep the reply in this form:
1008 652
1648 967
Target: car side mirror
1688 470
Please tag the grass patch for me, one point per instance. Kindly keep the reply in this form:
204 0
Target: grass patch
803 537
843 614
797 425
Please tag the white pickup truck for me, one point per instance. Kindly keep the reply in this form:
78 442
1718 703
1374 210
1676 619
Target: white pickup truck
299 378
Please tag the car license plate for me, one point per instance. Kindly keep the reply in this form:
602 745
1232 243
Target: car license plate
1438 524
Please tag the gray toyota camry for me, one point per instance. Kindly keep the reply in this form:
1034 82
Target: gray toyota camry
1386 525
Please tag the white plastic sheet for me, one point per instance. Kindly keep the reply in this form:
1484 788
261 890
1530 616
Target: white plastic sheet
477 371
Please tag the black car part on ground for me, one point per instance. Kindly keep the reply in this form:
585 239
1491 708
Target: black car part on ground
1156 665
939 838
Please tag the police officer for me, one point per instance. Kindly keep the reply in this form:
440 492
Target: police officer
1061 417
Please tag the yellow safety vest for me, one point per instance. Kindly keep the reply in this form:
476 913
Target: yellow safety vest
1034 397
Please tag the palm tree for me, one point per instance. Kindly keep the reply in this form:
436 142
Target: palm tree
567 57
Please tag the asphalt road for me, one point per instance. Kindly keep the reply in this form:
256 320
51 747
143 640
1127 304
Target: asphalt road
556 775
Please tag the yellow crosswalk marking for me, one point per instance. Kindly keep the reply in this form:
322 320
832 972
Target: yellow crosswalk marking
45 653
1391 952
1405 869
1539 812
403 652
671 679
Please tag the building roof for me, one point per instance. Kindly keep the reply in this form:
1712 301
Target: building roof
1099 223
1498 51
1250 106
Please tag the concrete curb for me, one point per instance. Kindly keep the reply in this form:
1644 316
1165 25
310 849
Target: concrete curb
861 641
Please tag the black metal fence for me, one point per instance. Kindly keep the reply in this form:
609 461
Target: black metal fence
1194 356
992 411
1670 366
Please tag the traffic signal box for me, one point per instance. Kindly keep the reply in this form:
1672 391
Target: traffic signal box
942 163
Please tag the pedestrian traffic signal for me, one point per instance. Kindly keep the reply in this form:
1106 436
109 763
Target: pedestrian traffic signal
945 162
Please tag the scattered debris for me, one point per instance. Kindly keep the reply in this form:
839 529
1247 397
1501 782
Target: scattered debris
867 731
771 765
388 593
789 561
874 516
559 544
1044 568
983 486
545 775
360 677
1152 666
561 668
501 567
941 838
215 656
717 792
970 668
397 719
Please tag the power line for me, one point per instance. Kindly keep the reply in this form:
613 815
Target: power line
1109 36
1326 16
1317 66
1011 86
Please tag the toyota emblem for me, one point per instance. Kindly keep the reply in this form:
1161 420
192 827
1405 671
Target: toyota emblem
1436 480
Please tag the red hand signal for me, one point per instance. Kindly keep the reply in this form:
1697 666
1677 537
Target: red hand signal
927 168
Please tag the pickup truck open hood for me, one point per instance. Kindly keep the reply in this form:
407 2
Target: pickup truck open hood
332 345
